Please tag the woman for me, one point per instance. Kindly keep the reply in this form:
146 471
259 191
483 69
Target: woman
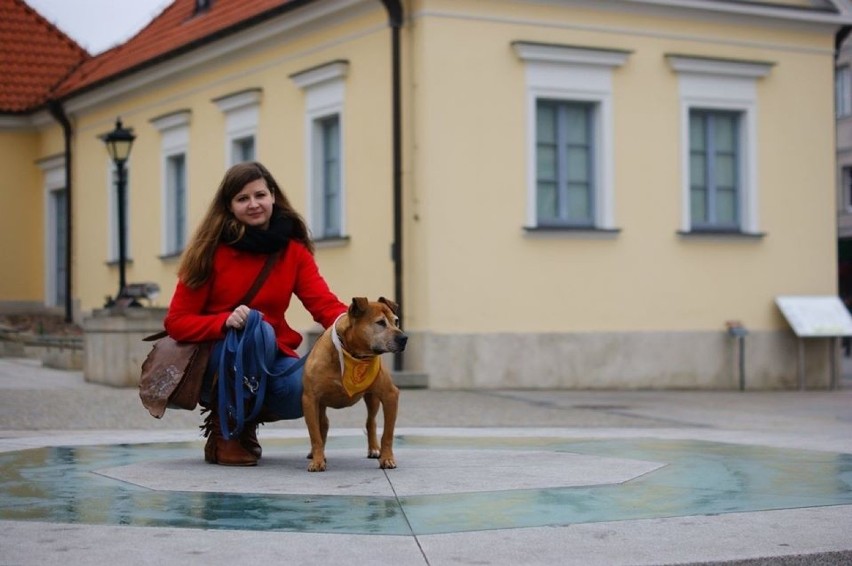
249 219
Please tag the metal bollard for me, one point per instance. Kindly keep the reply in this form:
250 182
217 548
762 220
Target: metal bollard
739 332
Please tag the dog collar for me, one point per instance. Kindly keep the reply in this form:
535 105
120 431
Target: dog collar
357 375
335 339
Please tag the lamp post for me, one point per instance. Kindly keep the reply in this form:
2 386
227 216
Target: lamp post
119 142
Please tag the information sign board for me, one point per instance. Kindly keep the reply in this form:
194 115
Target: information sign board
816 316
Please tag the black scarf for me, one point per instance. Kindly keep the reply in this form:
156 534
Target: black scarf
258 240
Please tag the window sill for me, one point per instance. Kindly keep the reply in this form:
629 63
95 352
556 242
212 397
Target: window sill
571 232
723 234
170 256
114 262
331 242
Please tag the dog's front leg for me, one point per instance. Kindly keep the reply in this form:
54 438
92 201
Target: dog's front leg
372 402
323 420
390 403
311 410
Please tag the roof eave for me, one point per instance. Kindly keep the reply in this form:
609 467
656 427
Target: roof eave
186 48
831 13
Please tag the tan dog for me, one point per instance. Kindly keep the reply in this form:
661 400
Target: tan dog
345 365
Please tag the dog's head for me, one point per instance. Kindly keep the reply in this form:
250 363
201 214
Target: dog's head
374 327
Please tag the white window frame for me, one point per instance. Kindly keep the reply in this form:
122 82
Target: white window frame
573 74
242 115
721 84
174 132
53 169
325 92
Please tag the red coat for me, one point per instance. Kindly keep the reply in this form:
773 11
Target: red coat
197 315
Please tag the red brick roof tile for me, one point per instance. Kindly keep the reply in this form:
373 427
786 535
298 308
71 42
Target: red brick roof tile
34 57
176 30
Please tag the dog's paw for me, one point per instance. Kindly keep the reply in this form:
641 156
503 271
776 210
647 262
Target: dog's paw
316 466
373 453
387 463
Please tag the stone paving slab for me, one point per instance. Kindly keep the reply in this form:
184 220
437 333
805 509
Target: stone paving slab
454 487
615 478
421 472
799 537
686 540
50 544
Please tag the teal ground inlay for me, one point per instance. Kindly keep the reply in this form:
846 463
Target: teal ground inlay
700 478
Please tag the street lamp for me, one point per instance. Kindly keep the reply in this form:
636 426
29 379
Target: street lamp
119 142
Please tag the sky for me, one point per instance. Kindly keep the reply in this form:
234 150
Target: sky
97 25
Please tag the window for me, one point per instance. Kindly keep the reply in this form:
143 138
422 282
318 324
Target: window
175 203
570 177
718 109
327 132
713 169
242 149
565 164
242 112
324 95
56 230
843 92
175 195
846 188
59 244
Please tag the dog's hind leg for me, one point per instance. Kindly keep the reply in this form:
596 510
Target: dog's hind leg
372 403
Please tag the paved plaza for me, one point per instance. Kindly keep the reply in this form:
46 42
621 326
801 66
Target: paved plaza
485 477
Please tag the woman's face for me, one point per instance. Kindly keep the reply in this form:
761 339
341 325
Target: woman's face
253 205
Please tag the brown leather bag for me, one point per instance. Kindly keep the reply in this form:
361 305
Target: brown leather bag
172 375
173 372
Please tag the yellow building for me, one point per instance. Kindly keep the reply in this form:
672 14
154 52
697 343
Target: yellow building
576 194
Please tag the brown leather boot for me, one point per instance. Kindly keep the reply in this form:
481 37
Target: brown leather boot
248 440
219 450
249 436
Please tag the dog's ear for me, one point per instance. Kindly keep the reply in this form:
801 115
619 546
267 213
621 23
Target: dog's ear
391 305
358 307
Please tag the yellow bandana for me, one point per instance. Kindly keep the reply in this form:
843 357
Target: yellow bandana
358 375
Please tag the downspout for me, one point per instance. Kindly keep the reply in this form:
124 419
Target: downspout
840 37
59 113
395 20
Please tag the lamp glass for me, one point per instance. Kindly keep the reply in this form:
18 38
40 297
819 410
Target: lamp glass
119 142
119 150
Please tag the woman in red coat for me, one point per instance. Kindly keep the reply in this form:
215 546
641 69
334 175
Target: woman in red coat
248 220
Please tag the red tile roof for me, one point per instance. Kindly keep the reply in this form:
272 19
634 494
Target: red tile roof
176 30
35 57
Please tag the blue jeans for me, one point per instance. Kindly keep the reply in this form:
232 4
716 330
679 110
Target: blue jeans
283 393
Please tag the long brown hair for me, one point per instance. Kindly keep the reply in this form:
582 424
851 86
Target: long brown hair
197 260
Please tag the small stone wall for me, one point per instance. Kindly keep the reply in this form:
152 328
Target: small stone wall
618 360
113 343
58 352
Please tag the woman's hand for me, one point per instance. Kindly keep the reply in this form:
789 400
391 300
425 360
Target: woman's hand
237 319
